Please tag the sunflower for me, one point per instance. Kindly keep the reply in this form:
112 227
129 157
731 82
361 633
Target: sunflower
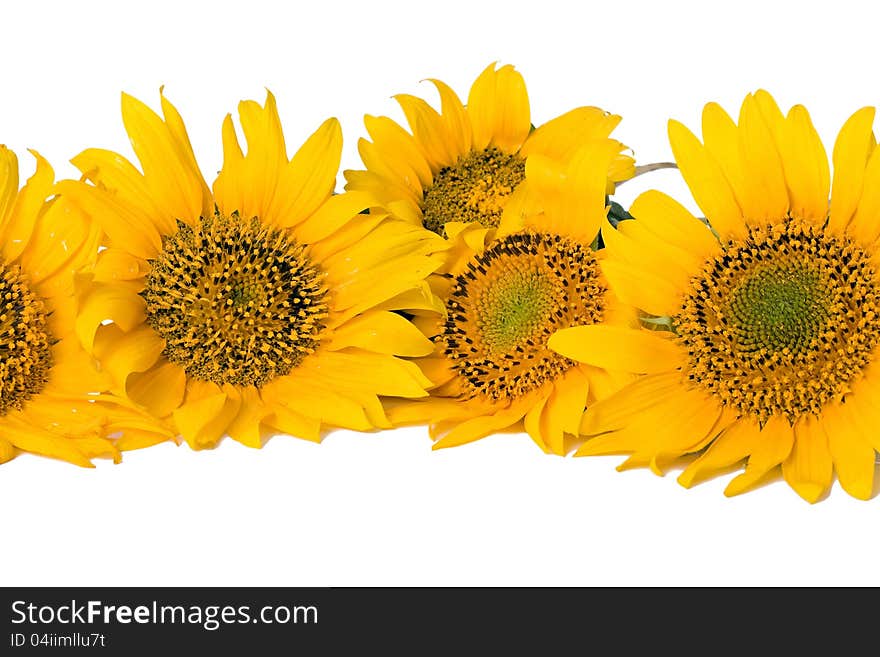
760 336
505 294
48 387
263 306
466 164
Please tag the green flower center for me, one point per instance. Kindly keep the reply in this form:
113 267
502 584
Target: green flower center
507 303
515 309
781 323
235 301
781 306
474 189
25 341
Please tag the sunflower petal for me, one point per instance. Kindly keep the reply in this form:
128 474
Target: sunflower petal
808 468
707 183
806 167
851 153
774 446
851 451
21 218
618 348
498 106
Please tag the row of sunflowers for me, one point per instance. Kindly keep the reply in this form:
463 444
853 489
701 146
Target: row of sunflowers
469 278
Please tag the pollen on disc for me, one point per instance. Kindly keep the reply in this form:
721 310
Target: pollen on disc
781 322
474 189
25 341
235 301
507 303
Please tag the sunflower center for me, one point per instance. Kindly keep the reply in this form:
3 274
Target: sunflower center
235 301
25 341
507 303
781 322
474 189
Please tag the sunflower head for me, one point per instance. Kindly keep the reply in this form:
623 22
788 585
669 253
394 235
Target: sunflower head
467 163
50 392
264 303
767 308
506 291
250 308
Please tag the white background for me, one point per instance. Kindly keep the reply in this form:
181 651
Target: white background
383 509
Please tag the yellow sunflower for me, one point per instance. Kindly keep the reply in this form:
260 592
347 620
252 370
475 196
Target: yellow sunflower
766 327
48 387
266 306
505 294
467 163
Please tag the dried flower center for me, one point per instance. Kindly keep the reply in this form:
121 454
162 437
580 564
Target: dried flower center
508 302
782 322
474 189
235 301
25 341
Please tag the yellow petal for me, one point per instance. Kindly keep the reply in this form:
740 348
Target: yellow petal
865 224
851 450
309 179
245 427
851 152
618 348
641 290
732 446
160 389
108 301
583 209
7 451
59 235
560 138
176 127
863 409
688 422
140 438
203 422
20 221
806 167
38 441
633 244
399 151
722 143
707 183
765 196
310 399
121 354
808 468
114 264
334 214
455 118
381 332
127 226
8 184
175 184
115 173
378 373
498 107
772 448
294 424
669 220
433 147
259 172
533 426
480 427
770 113
562 413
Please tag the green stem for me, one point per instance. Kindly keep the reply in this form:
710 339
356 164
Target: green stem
647 168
